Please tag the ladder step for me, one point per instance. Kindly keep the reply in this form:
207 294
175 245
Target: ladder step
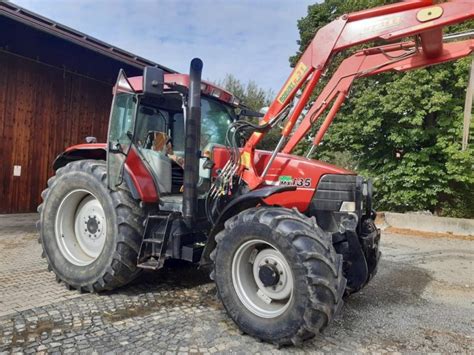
150 264
154 241
158 216
155 258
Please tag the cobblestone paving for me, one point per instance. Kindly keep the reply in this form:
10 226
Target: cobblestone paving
24 278
175 310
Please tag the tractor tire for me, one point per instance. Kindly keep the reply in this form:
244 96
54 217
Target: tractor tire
90 235
278 275
372 257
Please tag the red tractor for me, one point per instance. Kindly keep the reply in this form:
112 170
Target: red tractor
180 177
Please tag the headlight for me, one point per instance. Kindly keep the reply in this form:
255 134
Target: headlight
348 206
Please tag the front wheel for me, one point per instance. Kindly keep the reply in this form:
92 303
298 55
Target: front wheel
278 275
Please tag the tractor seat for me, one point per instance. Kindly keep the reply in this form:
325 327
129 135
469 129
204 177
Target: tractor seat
169 172
177 177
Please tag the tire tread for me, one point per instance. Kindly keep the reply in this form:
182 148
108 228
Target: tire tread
324 276
122 268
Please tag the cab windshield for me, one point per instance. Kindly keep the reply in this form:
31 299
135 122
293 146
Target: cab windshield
215 119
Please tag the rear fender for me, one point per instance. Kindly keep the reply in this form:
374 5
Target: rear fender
136 175
80 152
241 203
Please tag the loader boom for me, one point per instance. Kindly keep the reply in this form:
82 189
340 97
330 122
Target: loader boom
422 19
403 57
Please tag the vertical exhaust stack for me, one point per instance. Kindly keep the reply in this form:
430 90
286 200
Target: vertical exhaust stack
192 142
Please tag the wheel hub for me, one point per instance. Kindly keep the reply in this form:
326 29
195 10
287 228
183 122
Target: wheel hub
269 275
262 278
80 227
92 225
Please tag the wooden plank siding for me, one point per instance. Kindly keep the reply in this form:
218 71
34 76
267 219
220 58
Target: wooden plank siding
43 110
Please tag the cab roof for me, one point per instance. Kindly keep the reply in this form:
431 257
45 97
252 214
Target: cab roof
183 79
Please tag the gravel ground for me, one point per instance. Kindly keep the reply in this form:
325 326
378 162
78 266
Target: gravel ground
420 301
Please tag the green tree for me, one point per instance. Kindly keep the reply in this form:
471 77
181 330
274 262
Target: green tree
403 130
255 98
251 95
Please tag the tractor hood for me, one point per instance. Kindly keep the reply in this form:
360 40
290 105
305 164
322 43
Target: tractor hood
292 170
289 170
296 166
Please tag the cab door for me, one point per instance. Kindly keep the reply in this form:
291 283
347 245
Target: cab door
121 128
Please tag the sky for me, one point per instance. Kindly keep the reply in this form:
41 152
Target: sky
251 39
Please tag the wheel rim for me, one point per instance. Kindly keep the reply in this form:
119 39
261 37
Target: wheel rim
80 227
262 279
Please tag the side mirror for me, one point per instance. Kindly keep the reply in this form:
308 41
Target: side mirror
153 81
245 112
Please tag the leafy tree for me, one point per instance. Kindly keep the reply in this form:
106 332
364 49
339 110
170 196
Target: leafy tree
403 130
255 98
251 95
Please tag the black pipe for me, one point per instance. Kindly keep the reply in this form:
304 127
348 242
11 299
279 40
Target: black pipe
192 141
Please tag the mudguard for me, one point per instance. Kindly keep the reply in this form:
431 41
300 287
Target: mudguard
95 151
136 175
243 202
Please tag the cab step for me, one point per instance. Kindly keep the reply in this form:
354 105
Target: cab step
153 248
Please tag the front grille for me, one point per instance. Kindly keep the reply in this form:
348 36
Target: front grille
331 192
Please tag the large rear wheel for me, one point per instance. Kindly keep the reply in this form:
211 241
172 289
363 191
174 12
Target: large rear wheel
277 274
89 234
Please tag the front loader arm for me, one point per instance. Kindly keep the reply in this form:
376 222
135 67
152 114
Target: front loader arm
419 18
401 57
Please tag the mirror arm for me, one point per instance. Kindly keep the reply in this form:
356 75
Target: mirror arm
116 149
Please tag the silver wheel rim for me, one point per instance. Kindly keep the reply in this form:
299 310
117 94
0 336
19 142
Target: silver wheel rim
80 227
266 301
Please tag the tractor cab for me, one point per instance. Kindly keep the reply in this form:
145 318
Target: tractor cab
148 122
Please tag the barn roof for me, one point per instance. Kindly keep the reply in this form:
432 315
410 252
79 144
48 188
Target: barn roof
32 36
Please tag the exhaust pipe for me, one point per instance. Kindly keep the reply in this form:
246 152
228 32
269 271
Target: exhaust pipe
192 141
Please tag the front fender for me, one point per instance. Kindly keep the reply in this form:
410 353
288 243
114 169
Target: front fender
241 203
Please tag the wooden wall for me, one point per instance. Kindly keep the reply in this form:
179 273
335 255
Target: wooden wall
42 111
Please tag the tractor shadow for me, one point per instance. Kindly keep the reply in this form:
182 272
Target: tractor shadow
391 297
175 275
177 284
